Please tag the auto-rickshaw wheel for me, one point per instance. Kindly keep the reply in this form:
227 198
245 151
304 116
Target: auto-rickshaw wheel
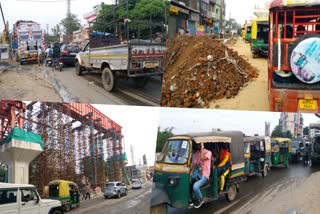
67 207
158 209
287 165
265 171
232 193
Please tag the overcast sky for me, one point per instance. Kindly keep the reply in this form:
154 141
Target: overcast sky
139 128
242 10
202 120
45 11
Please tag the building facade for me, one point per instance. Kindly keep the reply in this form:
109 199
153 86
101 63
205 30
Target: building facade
195 16
292 122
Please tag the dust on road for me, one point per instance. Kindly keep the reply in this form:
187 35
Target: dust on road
26 83
254 96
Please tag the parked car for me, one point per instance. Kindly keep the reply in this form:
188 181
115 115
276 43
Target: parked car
24 199
115 189
68 53
136 184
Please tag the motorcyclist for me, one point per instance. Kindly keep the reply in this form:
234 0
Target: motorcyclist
56 54
307 153
48 53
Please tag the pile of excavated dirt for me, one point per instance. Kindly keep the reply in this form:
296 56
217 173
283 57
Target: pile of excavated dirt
199 69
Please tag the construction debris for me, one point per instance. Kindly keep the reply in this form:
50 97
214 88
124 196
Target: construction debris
200 69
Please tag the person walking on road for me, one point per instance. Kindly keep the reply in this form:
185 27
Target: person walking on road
87 192
39 55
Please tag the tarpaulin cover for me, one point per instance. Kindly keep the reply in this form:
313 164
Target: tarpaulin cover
20 134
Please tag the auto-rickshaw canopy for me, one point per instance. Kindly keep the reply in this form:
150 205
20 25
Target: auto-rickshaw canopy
255 23
212 139
282 141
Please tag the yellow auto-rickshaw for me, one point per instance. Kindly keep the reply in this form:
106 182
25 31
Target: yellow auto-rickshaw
65 191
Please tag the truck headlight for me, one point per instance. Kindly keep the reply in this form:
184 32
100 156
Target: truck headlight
173 181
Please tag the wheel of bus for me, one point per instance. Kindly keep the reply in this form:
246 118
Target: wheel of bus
158 209
265 171
232 193
78 68
108 79
140 82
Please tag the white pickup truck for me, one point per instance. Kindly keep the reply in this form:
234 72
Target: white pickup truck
24 199
136 59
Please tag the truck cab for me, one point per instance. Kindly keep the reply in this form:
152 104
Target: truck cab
24 199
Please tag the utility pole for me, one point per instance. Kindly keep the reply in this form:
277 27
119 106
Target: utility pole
5 26
68 8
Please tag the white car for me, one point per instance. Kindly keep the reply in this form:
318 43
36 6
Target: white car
136 184
24 199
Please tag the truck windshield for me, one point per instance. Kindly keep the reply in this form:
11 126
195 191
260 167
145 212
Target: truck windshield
24 37
36 36
175 151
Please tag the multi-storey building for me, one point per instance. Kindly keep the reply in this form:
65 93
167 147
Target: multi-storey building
292 122
196 16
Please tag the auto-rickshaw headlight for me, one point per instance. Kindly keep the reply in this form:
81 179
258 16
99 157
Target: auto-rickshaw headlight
261 159
173 181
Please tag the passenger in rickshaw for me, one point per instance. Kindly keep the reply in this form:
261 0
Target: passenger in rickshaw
224 165
201 161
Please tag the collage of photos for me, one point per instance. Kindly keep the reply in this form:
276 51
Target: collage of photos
159 106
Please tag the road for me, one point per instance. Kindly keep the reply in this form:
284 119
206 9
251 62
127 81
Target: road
254 96
254 189
136 202
31 82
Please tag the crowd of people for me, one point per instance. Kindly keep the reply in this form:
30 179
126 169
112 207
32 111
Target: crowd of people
49 53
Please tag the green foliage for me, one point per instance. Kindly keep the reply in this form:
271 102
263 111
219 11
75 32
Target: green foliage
56 30
277 132
163 136
51 38
306 130
70 24
138 10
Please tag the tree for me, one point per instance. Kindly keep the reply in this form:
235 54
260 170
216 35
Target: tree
306 130
70 24
287 134
277 132
56 30
163 136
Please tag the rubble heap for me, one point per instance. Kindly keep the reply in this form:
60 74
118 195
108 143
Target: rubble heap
199 69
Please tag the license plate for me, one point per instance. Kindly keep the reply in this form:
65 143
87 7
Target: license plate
150 64
308 104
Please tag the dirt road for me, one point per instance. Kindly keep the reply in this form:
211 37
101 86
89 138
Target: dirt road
33 83
255 95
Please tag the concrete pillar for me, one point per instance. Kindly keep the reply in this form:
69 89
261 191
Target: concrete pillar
18 154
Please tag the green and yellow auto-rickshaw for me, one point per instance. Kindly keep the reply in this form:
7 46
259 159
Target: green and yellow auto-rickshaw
65 191
257 155
280 151
259 37
172 185
248 33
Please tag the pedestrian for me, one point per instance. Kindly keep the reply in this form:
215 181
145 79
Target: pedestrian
87 192
39 55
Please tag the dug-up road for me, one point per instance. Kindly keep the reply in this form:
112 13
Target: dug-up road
31 82
254 96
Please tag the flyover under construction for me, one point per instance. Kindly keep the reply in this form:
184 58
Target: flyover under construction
80 142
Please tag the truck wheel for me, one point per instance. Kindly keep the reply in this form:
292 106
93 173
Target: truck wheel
78 68
158 209
265 171
108 79
140 82
232 193
56 212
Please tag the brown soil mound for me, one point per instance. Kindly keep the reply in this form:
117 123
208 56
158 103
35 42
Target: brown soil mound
191 80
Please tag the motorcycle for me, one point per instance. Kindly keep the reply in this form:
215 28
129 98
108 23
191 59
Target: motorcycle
49 61
58 64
